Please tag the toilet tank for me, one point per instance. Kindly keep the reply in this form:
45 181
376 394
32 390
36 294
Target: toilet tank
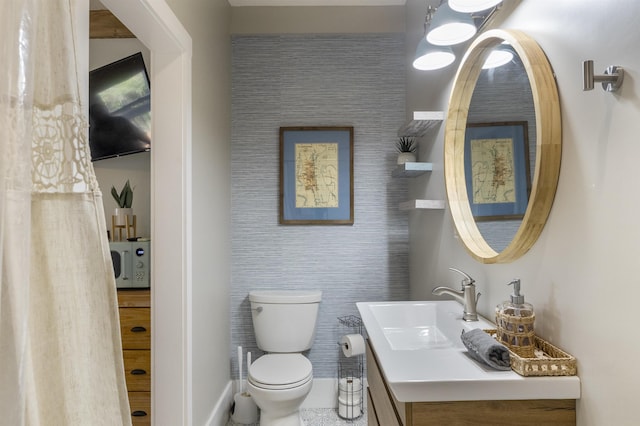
284 321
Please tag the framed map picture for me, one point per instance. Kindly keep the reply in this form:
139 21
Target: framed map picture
496 162
316 175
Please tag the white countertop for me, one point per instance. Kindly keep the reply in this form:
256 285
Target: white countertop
448 373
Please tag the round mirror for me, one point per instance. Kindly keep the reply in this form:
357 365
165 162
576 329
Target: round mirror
503 144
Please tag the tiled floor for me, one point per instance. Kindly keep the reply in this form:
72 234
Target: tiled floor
324 417
329 417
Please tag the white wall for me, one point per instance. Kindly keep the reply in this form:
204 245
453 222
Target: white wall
115 172
580 274
208 25
317 20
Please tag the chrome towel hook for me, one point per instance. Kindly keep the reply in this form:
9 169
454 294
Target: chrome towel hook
611 79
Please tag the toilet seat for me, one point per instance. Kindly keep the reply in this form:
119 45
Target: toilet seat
280 371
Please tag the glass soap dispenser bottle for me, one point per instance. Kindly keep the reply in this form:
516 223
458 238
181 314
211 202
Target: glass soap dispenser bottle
514 323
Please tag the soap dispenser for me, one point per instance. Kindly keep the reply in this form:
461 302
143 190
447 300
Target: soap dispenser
514 321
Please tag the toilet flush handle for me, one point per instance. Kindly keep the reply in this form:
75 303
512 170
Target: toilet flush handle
258 309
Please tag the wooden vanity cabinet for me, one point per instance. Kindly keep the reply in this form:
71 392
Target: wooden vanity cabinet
384 409
135 328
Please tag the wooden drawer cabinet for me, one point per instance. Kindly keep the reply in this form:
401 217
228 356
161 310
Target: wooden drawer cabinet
135 328
137 367
140 403
384 409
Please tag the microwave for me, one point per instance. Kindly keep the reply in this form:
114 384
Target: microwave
131 263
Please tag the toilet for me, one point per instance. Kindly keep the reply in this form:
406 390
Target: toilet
284 323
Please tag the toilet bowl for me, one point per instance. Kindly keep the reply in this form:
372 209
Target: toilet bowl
279 381
279 384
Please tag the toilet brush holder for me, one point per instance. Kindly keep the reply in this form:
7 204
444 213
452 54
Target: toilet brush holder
245 410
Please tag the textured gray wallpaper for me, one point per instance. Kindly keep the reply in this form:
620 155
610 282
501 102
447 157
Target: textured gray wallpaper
317 80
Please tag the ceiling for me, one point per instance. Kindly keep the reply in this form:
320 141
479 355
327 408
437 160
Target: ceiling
317 2
95 4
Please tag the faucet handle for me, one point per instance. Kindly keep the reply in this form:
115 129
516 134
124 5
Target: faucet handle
467 279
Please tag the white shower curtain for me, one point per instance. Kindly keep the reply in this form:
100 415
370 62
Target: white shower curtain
60 351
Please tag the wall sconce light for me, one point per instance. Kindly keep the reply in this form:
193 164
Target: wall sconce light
449 27
611 80
429 57
470 6
444 27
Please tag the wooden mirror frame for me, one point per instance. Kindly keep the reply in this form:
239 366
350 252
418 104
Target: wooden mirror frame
548 145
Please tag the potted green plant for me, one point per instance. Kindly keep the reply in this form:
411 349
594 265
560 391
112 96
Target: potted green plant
124 200
406 147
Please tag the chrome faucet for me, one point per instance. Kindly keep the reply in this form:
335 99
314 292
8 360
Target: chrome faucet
466 296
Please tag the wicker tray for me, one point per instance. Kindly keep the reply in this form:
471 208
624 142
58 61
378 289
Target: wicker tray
548 360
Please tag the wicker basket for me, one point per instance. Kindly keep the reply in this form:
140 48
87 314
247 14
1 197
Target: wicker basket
516 332
548 360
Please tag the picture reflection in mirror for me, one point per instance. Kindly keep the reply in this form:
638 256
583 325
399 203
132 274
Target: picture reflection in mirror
503 94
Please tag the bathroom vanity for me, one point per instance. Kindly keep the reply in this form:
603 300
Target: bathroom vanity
419 373
418 370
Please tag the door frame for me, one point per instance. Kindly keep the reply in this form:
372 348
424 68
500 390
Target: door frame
157 27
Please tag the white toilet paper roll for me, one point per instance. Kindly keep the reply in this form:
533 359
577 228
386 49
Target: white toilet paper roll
347 411
350 384
352 345
349 400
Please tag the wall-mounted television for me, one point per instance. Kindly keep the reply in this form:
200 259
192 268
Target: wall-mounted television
119 109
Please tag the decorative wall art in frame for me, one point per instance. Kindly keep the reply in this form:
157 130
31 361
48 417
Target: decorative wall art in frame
496 162
316 175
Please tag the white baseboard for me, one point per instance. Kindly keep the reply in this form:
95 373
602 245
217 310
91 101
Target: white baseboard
324 394
220 414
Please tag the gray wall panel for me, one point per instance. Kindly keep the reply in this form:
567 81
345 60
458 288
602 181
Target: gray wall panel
317 80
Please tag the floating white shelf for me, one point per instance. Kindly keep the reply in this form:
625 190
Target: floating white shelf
412 169
422 121
422 205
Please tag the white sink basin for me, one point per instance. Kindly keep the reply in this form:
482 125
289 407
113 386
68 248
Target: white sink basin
422 325
422 357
